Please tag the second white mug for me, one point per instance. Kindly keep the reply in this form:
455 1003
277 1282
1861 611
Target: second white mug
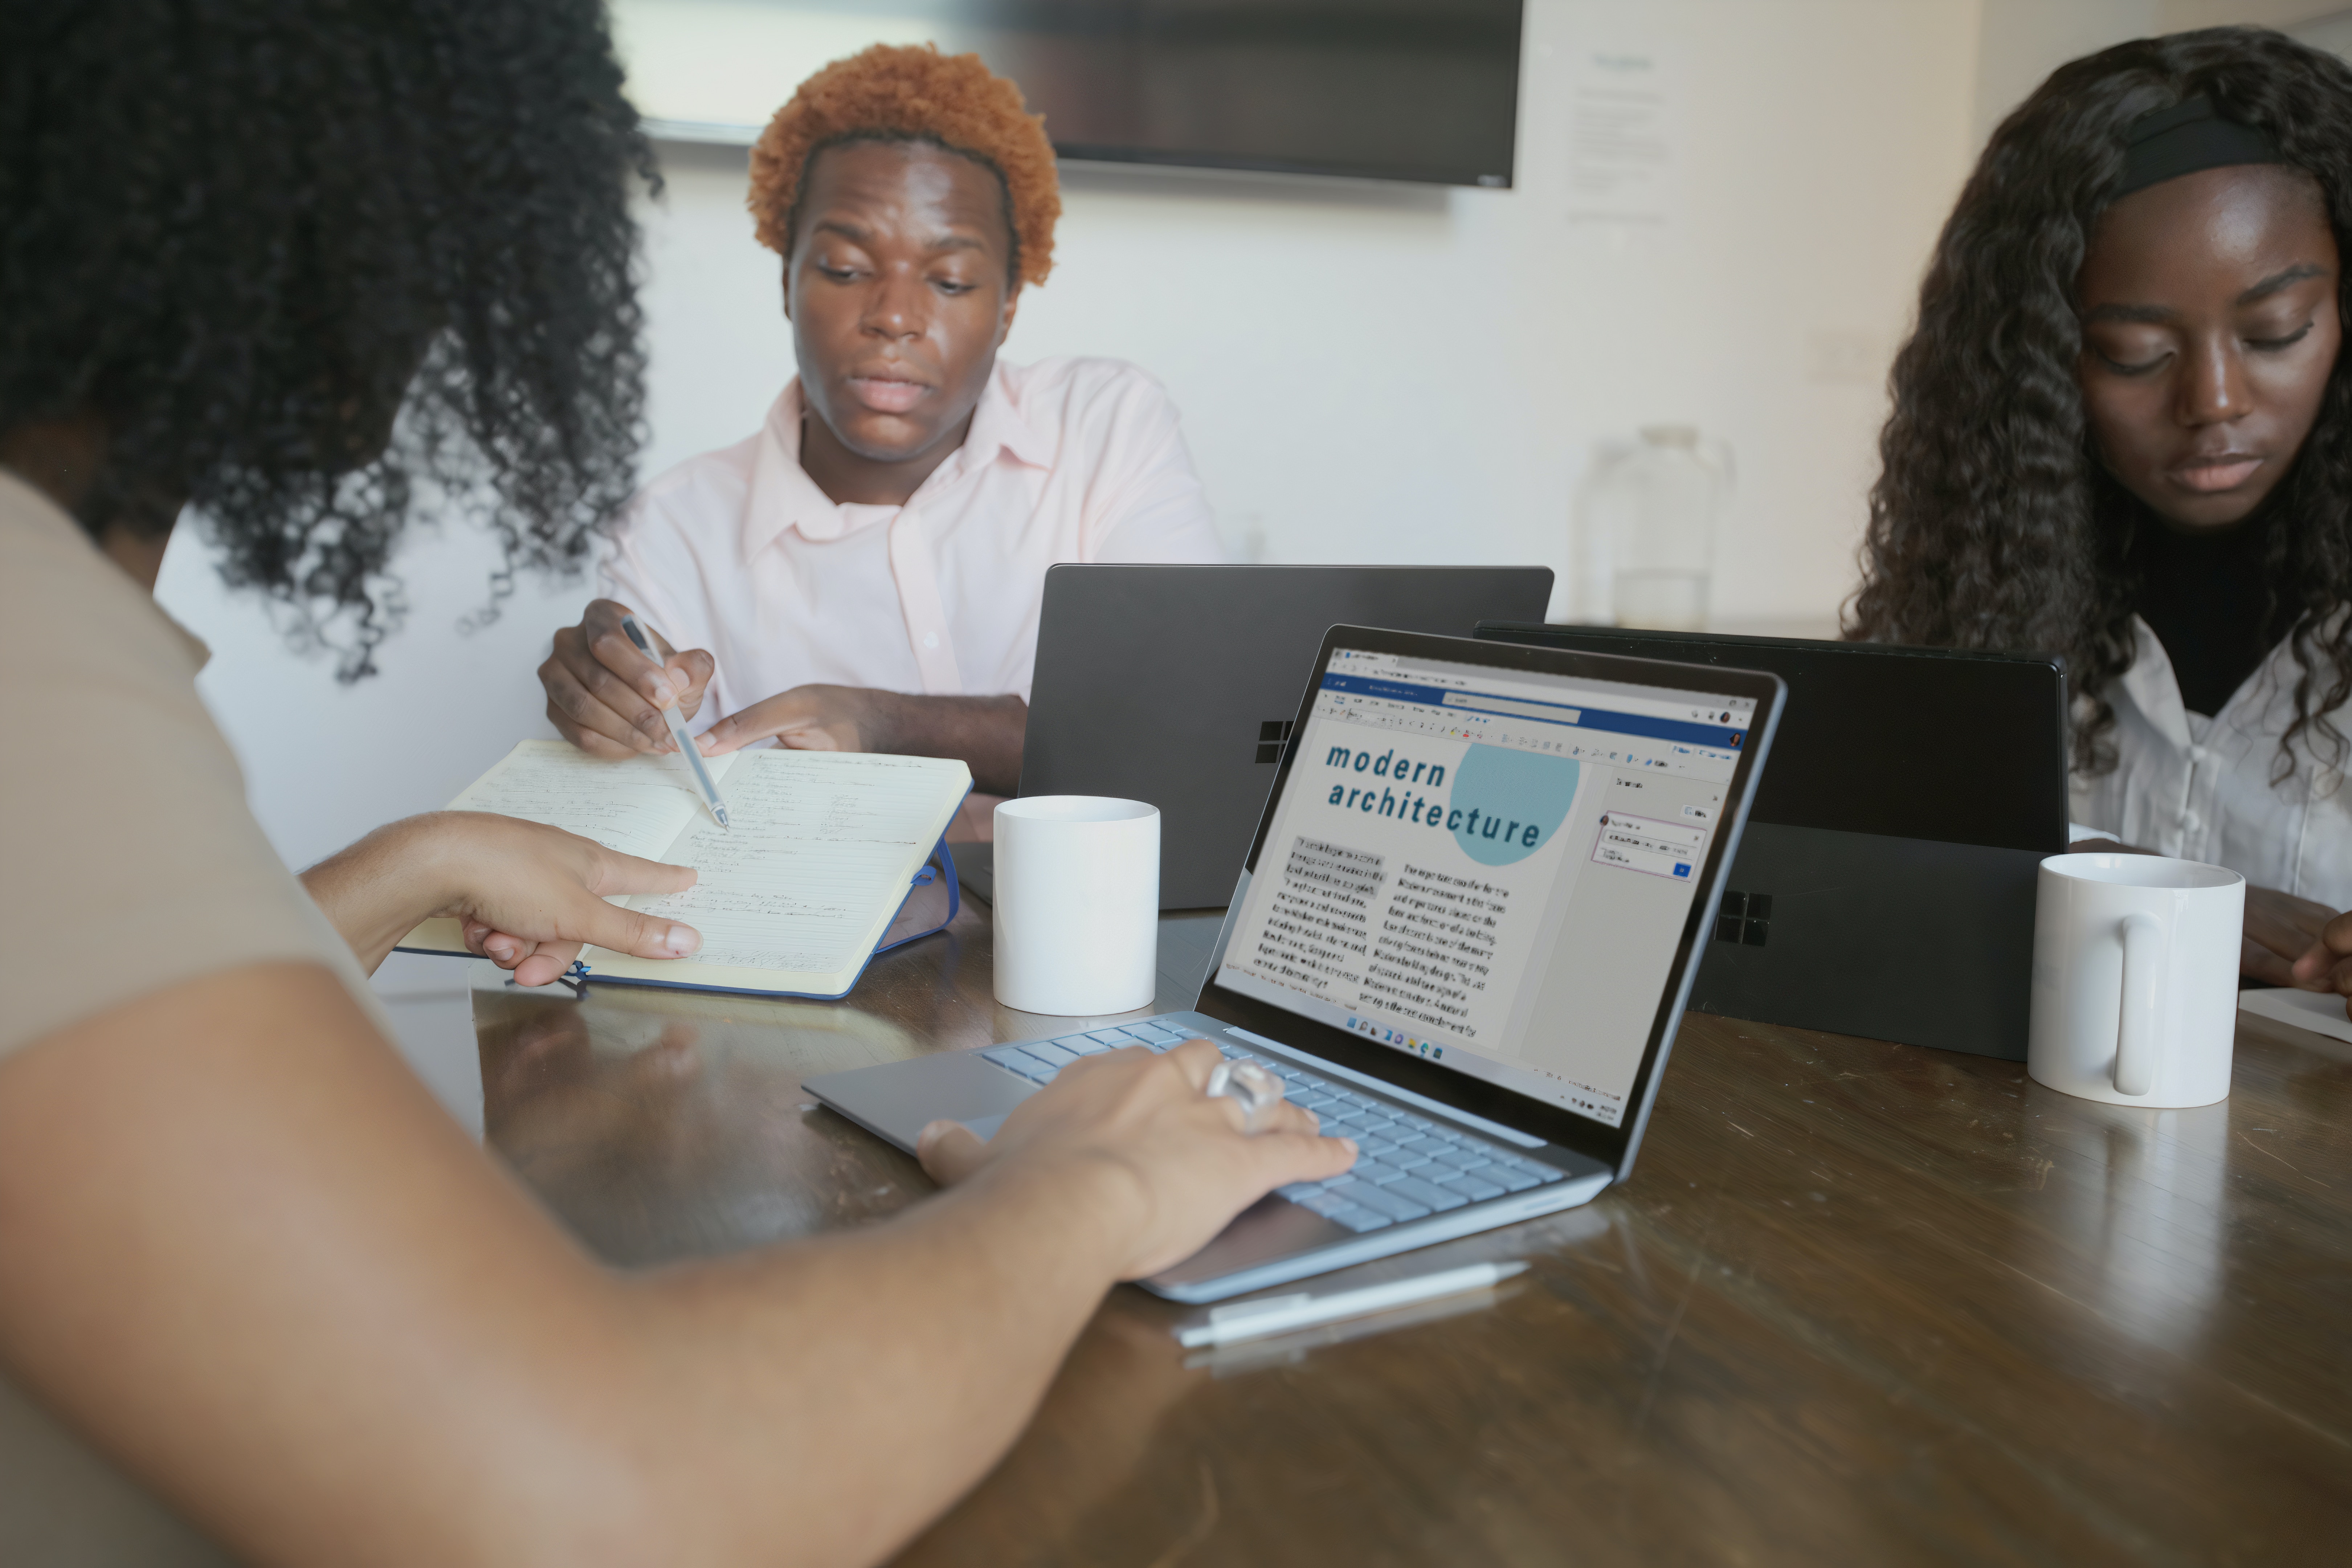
2136 978
1077 905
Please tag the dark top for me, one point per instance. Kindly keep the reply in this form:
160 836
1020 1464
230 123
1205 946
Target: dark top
2203 594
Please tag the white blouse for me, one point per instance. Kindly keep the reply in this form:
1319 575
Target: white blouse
2201 788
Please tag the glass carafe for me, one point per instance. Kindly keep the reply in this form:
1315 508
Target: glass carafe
1646 523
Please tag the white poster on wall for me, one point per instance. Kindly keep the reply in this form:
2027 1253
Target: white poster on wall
1625 135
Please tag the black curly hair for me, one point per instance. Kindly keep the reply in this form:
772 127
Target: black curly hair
318 263
1993 524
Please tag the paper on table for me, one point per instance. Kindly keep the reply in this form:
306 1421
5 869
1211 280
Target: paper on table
2320 1012
792 902
795 885
636 806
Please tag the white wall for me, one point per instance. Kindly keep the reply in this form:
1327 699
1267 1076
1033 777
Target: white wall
2022 41
1367 373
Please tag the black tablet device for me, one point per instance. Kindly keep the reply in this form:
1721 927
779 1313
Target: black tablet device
1885 884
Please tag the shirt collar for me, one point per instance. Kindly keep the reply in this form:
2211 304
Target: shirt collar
999 426
2152 687
783 496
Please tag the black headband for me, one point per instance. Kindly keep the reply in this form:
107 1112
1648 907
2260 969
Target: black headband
2188 137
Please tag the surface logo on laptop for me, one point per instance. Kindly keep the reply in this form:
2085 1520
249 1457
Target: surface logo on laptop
1744 918
1389 1036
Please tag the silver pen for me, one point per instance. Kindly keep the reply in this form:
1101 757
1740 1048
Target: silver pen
1280 1314
702 779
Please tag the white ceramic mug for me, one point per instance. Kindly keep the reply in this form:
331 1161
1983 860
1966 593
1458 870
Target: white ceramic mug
2136 978
1077 904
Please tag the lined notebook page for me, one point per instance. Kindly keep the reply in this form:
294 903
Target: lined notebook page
636 805
824 843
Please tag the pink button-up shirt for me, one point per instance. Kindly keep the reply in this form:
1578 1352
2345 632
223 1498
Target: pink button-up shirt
737 551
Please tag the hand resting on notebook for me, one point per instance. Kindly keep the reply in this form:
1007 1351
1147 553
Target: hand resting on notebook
985 731
1181 1156
530 895
2284 944
2329 965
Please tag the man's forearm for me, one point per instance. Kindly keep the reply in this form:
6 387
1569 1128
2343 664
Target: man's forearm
985 731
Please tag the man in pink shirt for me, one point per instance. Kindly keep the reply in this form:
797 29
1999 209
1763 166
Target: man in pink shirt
864 573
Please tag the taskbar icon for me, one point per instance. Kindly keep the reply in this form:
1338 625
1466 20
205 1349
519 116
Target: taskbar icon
1396 1038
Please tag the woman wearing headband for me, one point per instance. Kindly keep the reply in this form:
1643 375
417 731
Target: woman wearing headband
2122 433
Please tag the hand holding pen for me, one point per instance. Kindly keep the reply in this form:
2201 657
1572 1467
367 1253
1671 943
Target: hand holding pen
607 696
704 783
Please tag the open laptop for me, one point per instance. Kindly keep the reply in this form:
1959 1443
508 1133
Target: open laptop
1177 685
1462 935
1885 884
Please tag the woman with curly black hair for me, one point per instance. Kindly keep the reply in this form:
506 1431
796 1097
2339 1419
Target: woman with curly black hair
307 269
2122 433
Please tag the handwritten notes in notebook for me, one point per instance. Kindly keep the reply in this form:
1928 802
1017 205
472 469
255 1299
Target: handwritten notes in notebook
816 847
636 805
793 900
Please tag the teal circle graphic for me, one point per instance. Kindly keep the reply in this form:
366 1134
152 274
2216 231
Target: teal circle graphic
1501 795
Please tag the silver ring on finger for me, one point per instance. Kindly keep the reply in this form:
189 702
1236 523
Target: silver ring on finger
1252 1086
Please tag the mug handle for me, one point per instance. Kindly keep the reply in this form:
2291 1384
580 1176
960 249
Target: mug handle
2137 1026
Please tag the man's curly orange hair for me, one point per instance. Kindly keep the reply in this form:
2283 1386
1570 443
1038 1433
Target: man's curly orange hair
916 93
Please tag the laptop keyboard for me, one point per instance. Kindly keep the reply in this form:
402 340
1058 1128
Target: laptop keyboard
1407 1166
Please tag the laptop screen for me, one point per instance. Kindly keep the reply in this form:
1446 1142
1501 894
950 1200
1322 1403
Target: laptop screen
1488 869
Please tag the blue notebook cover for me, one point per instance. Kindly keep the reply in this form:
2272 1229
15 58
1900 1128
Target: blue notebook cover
939 874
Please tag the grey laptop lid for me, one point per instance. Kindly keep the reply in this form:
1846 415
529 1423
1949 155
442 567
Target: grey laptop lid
1178 684
1467 919
1486 873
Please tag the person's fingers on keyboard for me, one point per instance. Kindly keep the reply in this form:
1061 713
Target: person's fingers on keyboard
1197 1057
1282 1153
1196 1205
1188 1168
1283 1117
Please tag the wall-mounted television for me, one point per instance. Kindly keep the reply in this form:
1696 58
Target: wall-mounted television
1390 89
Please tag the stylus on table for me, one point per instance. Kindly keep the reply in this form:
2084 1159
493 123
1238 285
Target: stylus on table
687 748
1280 1314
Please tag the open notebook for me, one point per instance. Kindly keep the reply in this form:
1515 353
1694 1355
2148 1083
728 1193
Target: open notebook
2321 1012
826 850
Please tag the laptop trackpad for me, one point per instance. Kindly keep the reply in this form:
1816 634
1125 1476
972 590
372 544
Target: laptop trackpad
897 1099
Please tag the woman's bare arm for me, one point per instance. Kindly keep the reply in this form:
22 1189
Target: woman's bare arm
528 896
249 1255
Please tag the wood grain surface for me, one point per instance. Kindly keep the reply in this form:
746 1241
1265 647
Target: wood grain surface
1860 1303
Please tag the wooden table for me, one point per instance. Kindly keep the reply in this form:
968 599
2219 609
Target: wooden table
1860 1303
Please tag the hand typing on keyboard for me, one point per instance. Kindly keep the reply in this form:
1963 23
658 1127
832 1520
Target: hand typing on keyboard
1171 1166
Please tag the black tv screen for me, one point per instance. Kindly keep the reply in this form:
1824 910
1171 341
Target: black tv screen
1391 89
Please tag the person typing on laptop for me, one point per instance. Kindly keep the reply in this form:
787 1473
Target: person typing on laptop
865 572
259 1297
1464 935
